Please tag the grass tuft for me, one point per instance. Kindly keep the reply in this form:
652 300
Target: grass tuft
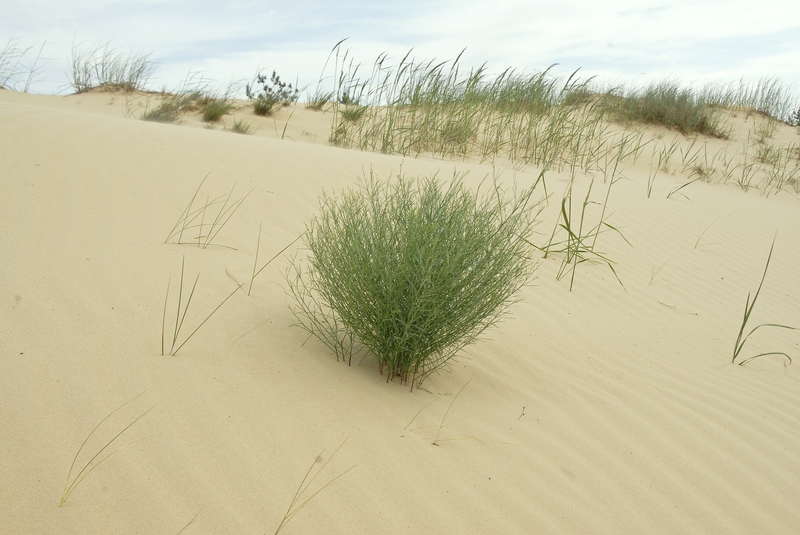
101 66
319 100
215 108
173 106
180 314
580 243
201 221
412 270
748 311
240 126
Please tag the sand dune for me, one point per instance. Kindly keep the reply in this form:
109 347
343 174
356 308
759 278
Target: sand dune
607 409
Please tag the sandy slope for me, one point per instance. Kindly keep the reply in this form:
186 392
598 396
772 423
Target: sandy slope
601 410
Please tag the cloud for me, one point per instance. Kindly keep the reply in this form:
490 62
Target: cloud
618 38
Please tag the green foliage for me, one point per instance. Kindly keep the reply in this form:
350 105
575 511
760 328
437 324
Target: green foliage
794 118
433 107
215 108
768 96
240 126
668 104
173 106
580 243
412 271
274 92
265 106
166 112
353 112
319 100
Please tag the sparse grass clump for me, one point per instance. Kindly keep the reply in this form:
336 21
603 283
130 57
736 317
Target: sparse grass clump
15 71
173 106
240 126
768 96
166 112
215 108
412 270
101 66
319 100
353 112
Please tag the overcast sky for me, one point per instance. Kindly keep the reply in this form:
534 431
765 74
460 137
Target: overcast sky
616 40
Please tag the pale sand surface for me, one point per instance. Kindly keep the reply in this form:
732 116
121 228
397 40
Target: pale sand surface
601 410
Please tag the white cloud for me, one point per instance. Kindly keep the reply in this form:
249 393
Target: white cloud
688 39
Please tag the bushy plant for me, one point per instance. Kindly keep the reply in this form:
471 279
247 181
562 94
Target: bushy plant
274 92
412 270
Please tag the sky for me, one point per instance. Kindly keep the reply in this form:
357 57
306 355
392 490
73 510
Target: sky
222 42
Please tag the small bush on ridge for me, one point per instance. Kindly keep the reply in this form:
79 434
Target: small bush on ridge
274 92
412 271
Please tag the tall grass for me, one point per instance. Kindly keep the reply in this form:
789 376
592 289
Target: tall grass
668 104
768 96
438 108
16 72
92 66
412 270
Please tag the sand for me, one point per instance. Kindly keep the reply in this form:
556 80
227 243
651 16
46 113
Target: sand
607 409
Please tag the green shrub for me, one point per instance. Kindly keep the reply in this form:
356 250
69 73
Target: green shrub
274 92
412 271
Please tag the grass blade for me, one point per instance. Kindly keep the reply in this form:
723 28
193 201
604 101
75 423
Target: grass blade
748 310
86 470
